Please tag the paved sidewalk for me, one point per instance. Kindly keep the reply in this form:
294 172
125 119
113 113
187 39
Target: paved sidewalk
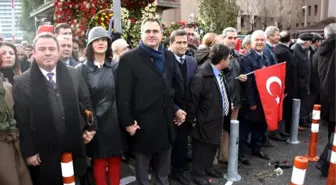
282 152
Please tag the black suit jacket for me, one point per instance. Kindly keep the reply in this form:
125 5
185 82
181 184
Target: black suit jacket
284 54
146 95
181 85
204 103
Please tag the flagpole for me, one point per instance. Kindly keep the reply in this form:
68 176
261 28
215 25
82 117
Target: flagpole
117 16
258 69
13 22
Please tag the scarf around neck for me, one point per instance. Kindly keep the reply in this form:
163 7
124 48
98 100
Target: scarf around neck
156 55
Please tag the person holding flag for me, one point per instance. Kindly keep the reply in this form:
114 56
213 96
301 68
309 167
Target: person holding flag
252 111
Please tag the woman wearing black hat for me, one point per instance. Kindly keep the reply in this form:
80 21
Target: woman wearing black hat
99 73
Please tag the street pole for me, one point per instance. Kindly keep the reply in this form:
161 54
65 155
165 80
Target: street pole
117 16
13 22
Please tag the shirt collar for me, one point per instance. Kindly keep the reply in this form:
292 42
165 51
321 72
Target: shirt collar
216 71
179 57
67 62
44 72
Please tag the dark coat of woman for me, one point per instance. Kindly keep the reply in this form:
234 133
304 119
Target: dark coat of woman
102 82
204 103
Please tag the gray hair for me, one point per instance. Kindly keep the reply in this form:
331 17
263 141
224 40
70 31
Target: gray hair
247 40
256 33
151 19
330 30
228 29
271 30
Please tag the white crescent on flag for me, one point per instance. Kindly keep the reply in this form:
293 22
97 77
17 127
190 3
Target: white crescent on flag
271 80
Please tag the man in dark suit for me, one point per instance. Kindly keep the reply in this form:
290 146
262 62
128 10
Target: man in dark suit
65 52
285 54
304 66
145 102
254 117
48 114
208 103
186 67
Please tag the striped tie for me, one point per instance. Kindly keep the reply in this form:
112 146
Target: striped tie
51 81
226 105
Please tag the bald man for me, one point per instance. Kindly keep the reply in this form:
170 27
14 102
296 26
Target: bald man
119 47
65 50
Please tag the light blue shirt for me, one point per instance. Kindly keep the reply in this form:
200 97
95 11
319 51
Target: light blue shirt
218 74
67 63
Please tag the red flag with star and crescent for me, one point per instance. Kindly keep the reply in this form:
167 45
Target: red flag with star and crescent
271 86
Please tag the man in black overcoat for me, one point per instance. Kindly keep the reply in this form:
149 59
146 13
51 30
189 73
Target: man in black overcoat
145 102
47 110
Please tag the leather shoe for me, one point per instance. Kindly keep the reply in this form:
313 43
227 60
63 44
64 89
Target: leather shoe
277 138
201 181
214 173
269 143
261 155
243 159
180 178
284 134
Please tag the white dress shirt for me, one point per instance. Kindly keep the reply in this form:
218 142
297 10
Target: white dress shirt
44 72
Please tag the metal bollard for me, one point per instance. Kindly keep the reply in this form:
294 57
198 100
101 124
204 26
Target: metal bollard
232 174
295 122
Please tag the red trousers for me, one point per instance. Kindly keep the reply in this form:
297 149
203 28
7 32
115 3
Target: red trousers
99 171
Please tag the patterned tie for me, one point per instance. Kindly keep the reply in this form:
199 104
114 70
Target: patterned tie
181 60
51 81
226 105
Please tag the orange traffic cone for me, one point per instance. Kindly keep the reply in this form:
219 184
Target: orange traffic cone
67 169
299 170
332 167
312 153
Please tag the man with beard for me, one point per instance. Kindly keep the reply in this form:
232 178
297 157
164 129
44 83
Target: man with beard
186 66
22 58
47 99
324 65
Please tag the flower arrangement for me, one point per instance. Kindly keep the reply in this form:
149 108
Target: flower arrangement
167 30
131 4
102 18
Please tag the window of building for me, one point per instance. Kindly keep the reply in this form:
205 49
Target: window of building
303 11
302 24
308 23
297 24
315 10
309 10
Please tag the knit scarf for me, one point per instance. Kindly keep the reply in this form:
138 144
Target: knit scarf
47 140
156 55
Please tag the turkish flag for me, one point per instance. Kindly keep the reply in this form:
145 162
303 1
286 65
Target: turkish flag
271 86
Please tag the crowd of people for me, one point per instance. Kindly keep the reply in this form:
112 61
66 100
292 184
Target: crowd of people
150 100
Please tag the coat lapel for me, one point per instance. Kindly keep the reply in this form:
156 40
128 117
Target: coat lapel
150 62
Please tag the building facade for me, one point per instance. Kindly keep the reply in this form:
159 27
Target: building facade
6 20
310 12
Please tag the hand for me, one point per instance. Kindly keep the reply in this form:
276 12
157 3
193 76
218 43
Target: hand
242 78
88 136
34 160
232 107
253 108
132 129
180 117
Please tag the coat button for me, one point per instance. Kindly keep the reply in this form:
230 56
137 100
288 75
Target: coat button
63 118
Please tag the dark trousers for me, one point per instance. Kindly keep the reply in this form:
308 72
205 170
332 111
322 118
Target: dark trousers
203 156
34 174
287 113
257 130
324 157
161 167
179 155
